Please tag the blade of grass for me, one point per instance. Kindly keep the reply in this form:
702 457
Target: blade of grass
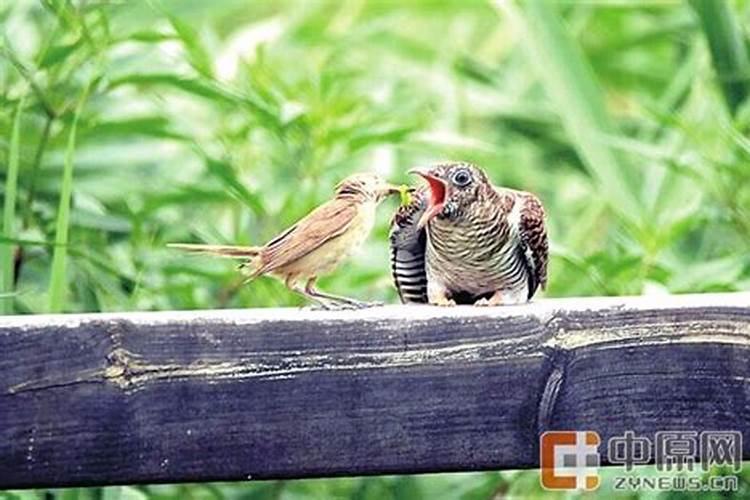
203 87
57 279
728 50
572 86
9 214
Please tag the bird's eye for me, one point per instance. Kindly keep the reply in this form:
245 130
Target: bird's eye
462 178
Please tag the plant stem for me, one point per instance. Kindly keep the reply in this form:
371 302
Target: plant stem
729 53
7 263
59 257
43 140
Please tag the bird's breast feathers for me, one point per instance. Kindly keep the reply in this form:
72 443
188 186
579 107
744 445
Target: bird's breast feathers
479 254
360 227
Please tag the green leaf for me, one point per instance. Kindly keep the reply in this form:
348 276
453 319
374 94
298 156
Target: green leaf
191 85
20 495
70 494
203 88
59 53
367 137
148 36
123 493
197 55
152 126
713 275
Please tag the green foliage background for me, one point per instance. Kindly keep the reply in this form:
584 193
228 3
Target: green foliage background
127 125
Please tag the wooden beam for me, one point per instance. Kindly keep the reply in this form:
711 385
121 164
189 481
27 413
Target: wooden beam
282 393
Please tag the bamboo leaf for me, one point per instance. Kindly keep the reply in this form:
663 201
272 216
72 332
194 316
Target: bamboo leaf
7 264
59 53
202 87
197 55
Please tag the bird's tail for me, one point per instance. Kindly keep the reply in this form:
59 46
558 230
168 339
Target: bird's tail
251 268
227 251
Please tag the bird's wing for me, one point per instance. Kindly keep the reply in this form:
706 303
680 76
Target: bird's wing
408 244
323 224
533 235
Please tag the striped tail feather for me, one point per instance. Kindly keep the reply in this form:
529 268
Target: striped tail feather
409 276
408 245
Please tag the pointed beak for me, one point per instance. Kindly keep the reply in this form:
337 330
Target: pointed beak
388 190
438 188
392 189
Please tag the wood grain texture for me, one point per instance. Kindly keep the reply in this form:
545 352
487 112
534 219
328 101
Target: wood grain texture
230 395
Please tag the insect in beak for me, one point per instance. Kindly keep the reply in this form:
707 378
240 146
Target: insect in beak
389 190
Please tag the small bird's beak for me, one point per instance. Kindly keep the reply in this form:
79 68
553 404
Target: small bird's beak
438 188
388 190
391 189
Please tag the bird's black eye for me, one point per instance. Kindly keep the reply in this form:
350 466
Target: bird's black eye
462 178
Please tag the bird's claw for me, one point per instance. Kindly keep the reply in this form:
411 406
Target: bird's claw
367 305
317 307
494 300
445 303
343 305
356 304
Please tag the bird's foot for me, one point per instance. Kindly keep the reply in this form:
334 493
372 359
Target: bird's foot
349 305
330 306
373 303
495 300
331 301
357 304
318 306
444 302
438 295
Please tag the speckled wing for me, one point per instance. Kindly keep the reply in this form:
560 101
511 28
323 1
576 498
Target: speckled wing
408 246
534 244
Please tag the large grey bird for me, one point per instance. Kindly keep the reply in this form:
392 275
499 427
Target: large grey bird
479 244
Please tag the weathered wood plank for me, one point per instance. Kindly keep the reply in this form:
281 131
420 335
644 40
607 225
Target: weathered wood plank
224 395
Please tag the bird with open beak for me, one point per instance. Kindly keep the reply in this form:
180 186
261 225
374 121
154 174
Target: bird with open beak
482 244
317 243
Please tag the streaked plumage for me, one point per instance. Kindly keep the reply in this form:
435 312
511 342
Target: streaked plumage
317 244
484 244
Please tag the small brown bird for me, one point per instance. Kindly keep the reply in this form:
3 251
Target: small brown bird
317 244
484 245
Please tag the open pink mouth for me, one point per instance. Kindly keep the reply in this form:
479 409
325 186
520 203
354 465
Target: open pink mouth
437 190
437 197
